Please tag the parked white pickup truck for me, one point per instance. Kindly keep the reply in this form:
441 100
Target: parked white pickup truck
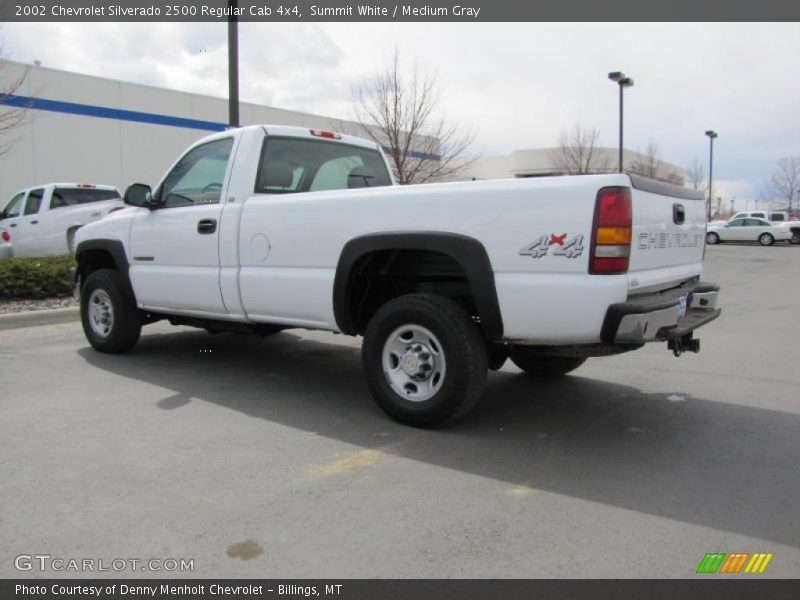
42 220
264 228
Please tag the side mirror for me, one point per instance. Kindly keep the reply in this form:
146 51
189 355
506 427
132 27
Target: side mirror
138 194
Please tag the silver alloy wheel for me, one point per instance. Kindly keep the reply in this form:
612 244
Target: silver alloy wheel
101 313
765 239
414 363
712 237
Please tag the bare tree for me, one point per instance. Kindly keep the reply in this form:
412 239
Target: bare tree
403 112
783 185
12 113
652 165
577 152
696 176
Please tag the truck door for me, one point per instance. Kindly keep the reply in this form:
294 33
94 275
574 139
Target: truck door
27 233
175 247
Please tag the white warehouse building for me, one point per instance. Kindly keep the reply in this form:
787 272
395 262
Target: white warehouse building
88 129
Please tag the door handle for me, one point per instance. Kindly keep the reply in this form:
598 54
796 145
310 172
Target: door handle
678 214
34 222
206 226
12 224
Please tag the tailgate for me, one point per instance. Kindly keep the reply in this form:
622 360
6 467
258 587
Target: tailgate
668 241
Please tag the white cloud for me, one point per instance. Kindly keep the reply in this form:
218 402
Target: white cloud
518 84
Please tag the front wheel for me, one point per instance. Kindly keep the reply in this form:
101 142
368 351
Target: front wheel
538 365
110 322
766 239
424 359
712 238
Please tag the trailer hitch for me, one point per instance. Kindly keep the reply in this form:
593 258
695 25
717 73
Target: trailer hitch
682 344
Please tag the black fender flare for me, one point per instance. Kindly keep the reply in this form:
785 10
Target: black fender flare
468 252
116 250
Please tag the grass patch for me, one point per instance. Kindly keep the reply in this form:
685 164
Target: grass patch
36 278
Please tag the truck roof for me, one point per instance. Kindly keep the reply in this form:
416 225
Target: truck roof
96 186
301 132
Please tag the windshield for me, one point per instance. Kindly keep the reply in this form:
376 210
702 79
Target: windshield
291 165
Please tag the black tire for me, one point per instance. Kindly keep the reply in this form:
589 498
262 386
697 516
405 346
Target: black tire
795 237
102 289
765 239
712 238
456 338
541 366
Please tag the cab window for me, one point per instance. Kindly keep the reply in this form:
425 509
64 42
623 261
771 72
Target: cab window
33 202
291 165
736 223
198 176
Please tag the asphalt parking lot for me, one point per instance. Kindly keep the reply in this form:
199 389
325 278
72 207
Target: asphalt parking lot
268 458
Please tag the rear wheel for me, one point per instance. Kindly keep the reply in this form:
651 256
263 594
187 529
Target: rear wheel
765 239
712 238
110 322
538 365
424 359
795 239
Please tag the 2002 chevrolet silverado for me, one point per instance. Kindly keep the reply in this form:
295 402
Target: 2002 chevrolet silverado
264 228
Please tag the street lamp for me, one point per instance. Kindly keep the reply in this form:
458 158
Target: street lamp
233 65
711 135
623 82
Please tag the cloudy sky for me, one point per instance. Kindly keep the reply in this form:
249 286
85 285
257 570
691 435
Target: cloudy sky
519 85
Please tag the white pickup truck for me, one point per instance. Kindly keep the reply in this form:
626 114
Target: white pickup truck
42 220
264 228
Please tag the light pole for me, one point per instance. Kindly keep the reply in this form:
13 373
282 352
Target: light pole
233 65
711 135
619 78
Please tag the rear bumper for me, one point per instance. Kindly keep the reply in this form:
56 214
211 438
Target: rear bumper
665 316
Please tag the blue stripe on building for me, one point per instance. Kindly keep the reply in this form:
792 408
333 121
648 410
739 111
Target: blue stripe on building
104 112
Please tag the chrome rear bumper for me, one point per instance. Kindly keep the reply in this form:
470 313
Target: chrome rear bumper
661 317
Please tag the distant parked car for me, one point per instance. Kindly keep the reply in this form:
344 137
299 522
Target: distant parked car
6 249
748 230
42 220
768 215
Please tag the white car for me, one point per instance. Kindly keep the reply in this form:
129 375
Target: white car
747 230
42 220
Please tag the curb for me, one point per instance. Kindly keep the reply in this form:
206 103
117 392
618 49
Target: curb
35 318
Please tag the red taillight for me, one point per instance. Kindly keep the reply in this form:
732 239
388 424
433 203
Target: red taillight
6 237
611 232
87 186
325 134
115 209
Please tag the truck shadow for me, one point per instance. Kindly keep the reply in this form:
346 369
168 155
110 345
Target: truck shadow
707 463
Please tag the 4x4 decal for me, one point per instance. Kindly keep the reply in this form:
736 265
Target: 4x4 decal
571 248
